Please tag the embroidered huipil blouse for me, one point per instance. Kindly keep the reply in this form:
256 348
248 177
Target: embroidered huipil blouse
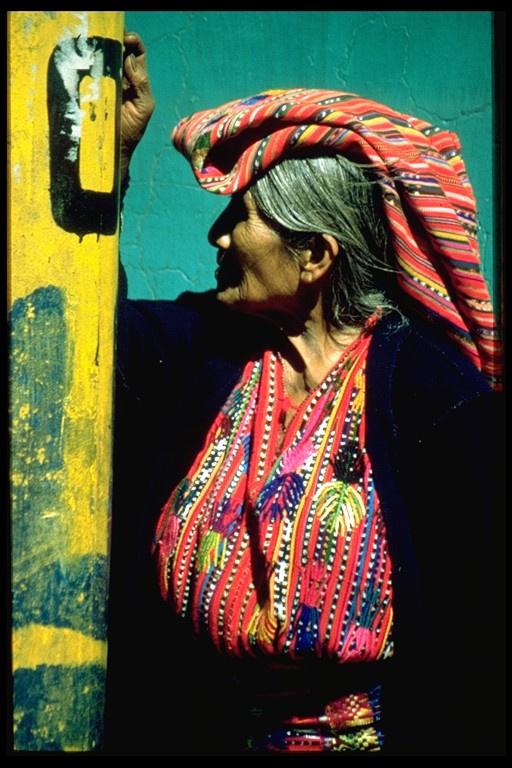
274 543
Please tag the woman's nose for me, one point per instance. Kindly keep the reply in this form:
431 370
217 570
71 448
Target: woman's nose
219 236
223 241
220 231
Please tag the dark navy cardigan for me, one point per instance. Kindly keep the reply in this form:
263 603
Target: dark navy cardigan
436 441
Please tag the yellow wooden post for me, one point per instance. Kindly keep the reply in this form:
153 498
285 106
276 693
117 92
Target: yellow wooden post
64 108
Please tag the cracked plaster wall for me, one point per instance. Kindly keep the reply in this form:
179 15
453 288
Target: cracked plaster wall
432 64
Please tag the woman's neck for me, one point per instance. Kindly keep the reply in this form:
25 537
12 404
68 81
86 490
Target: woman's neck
309 356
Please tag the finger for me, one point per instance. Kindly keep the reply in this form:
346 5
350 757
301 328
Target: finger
133 44
136 73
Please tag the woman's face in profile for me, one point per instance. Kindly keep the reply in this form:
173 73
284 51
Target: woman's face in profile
256 273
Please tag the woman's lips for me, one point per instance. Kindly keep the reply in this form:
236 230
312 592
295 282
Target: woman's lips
228 274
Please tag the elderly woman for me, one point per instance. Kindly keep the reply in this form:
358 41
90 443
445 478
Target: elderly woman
322 510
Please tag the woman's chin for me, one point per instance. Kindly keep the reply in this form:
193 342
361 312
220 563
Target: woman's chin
228 295
230 298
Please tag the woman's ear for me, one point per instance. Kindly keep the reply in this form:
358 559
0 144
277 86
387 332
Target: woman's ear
318 258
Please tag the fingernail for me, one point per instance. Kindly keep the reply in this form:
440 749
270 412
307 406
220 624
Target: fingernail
134 60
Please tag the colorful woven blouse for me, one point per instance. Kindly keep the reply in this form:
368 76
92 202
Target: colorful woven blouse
274 544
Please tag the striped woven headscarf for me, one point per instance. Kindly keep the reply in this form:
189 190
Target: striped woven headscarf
428 198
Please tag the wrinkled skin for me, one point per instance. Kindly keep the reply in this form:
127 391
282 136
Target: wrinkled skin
138 103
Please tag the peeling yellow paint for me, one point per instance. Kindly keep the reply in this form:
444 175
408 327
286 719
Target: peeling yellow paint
24 411
60 483
42 253
35 645
98 134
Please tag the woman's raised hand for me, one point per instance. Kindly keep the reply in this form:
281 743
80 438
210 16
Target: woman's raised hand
138 103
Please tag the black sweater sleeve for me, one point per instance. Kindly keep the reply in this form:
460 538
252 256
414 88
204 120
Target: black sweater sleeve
437 437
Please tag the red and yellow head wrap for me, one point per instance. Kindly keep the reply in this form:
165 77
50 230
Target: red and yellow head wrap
428 199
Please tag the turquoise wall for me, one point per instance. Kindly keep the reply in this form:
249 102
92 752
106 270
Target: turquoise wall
431 64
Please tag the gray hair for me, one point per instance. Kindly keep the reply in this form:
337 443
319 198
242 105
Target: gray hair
303 196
